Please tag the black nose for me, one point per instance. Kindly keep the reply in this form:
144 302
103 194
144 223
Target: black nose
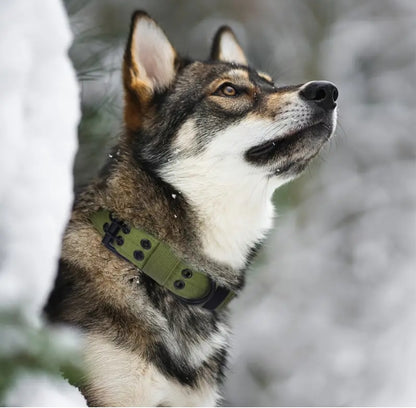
322 93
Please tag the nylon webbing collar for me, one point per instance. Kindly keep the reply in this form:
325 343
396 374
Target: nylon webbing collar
156 260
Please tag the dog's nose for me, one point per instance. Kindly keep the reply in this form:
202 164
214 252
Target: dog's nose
322 93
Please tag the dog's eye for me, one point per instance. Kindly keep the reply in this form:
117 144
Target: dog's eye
227 90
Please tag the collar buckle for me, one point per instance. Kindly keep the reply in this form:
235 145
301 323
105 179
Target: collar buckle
110 233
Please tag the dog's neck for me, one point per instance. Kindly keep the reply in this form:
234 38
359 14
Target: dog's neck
234 214
229 216
233 221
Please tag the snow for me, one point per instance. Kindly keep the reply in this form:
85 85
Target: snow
40 390
39 113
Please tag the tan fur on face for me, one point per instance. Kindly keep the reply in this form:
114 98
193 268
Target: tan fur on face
265 76
276 103
235 76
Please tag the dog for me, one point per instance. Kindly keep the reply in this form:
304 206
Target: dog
158 245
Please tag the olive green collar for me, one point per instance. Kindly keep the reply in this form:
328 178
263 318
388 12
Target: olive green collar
157 260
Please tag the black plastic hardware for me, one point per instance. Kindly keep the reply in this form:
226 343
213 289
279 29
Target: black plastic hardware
146 244
138 255
111 232
187 273
179 284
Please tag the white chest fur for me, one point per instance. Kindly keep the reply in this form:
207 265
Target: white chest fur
122 378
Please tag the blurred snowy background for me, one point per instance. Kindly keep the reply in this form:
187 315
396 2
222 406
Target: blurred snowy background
328 314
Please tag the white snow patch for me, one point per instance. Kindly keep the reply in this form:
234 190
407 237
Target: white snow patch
39 390
39 113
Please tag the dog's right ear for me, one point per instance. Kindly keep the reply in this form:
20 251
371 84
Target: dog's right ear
149 65
226 47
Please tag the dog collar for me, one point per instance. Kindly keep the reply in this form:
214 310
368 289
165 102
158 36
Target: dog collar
157 261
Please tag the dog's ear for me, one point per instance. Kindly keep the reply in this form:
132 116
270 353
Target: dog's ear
149 58
149 64
226 48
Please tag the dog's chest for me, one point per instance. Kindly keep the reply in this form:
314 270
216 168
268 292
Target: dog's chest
196 349
120 377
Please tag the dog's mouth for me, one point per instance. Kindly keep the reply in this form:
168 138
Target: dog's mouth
295 147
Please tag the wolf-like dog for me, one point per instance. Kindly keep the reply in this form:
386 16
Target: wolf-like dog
205 145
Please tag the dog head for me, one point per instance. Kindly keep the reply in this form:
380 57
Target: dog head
219 119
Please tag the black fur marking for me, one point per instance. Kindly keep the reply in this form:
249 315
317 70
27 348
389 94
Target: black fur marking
254 250
192 324
284 146
172 307
220 358
156 293
171 367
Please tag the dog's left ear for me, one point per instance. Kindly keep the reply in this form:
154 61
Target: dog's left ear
226 48
149 65
149 58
